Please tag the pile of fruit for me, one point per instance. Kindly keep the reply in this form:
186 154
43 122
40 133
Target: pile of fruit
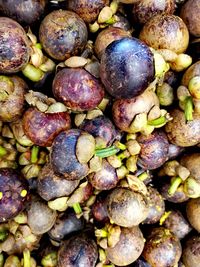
99 133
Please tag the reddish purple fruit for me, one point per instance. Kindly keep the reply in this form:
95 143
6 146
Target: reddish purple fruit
77 89
42 128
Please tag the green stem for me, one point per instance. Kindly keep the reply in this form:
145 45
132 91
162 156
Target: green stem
120 145
3 151
32 73
77 208
101 233
27 258
1 260
111 21
175 182
188 108
158 121
143 176
106 152
34 154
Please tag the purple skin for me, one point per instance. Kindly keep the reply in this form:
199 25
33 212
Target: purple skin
79 250
65 225
127 68
51 186
178 197
26 12
11 188
43 127
77 89
101 127
14 46
99 210
154 150
105 179
63 156
156 206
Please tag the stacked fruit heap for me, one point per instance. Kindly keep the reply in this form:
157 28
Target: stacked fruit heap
100 133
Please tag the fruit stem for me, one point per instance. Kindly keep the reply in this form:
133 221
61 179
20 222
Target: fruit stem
101 233
159 121
120 145
77 208
3 151
175 182
143 176
188 108
27 258
1 260
50 259
32 73
106 152
34 154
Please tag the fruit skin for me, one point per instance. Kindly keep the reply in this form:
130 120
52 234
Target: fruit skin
161 29
78 250
14 193
77 89
126 68
25 12
88 10
63 34
182 133
162 248
14 46
190 15
51 186
191 252
63 156
128 248
121 206
42 127
146 9
154 150
12 108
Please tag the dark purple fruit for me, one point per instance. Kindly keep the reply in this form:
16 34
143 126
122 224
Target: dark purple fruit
63 34
99 209
162 248
156 206
88 10
122 204
43 127
191 252
127 68
154 150
26 12
77 89
12 98
65 225
128 248
79 250
63 156
14 46
101 127
177 224
51 185
13 193
105 179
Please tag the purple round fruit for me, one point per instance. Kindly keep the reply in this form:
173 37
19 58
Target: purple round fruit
13 194
127 67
